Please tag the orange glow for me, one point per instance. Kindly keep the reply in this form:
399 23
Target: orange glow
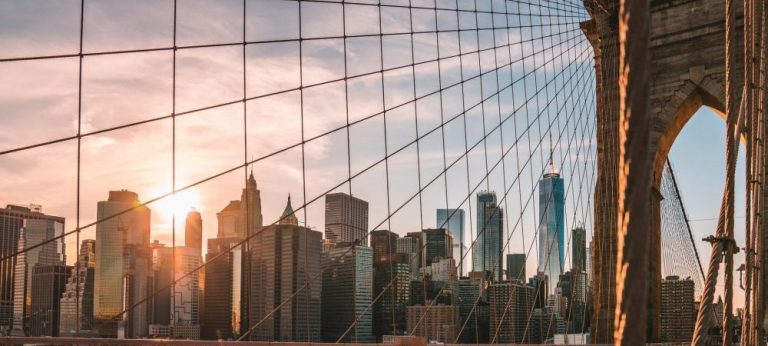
178 204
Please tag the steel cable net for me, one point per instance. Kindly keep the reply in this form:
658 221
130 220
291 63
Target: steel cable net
679 254
314 142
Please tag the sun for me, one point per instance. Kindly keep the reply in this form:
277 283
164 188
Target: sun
178 204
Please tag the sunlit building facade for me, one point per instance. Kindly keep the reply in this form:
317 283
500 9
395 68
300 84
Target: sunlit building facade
123 267
34 231
12 220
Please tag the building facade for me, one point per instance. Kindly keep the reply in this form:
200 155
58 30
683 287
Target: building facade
12 220
678 309
33 232
48 283
384 244
439 245
394 297
510 305
123 267
516 267
193 231
436 322
487 252
453 220
579 249
224 276
473 310
347 294
286 266
551 227
346 219
76 304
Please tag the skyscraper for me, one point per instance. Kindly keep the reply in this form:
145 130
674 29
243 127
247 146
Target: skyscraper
284 257
48 283
176 305
551 227
12 220
384 244
33 232
347 293
678 310
487 251
473 306
579 249
439 245
411 245
123 266
346 218
193 230
78 294
453 220
392 302
516 267
229 221
223 278
250 208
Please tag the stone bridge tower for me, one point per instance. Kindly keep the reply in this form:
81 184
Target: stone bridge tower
687 52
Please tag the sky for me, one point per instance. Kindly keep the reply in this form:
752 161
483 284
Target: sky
698 157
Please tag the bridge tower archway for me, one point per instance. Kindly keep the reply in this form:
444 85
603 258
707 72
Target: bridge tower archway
687 72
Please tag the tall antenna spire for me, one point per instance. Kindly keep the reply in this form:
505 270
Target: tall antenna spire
552 168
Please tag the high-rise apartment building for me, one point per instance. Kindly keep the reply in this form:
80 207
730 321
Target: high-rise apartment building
77 300
551 227
347 294
510 304
48 283
678 310
346 219
516 267
487 251
33 232
453 220
284 257
123 267
12 219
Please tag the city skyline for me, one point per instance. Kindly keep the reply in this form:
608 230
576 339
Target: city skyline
314 170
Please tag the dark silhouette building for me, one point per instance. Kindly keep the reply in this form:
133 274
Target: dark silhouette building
48 283
394 297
